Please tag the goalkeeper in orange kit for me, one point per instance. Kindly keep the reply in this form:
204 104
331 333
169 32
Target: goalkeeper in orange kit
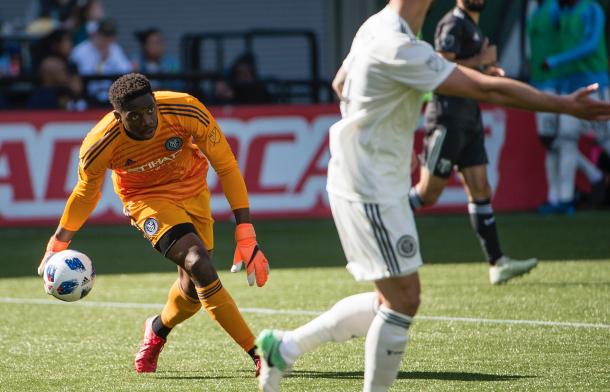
158 146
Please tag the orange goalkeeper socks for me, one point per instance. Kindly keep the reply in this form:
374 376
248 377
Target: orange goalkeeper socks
221 307
178 307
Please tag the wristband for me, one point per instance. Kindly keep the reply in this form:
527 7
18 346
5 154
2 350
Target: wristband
56 245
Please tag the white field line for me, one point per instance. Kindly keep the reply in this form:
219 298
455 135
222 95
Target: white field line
298 312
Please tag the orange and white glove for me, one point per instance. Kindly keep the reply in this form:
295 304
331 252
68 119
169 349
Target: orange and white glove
53 246
247 251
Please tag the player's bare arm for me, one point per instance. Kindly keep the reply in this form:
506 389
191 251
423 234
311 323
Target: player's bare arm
486 57
468 83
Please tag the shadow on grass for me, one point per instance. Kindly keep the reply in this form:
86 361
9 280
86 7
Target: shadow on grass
564 284
444 376
192 375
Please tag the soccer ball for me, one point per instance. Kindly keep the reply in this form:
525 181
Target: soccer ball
69 275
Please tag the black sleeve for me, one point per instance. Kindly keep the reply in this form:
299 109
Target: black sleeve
448 36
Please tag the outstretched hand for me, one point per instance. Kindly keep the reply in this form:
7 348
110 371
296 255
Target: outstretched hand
581 105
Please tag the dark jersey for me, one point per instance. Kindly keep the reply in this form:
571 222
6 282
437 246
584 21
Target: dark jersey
455 33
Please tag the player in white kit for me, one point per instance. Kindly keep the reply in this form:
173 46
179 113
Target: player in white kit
383 80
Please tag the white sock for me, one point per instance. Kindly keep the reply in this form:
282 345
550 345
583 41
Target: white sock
384 348
568 157
591 171
348 318
551 164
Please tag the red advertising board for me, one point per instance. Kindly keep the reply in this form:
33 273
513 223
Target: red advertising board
282 150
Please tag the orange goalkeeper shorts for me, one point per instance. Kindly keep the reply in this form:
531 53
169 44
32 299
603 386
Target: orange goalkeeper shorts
154 217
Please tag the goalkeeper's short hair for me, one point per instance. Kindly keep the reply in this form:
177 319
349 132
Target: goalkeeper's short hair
126 88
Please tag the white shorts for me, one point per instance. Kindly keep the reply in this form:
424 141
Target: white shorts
379 240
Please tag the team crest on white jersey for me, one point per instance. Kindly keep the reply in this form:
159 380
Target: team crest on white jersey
435 63
151 226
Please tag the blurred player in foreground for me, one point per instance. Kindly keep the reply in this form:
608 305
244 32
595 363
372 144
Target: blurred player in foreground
455 137
383 79
156 145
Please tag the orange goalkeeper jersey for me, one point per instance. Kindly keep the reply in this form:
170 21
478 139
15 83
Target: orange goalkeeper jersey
171 165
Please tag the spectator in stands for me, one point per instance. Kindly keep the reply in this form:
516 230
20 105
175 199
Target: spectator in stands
101 55
580 59
544 26
10 59
57 43
241 85
154 59
245 85
59 88
57 12
86 18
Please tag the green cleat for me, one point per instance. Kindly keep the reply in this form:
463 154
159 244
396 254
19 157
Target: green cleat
273 365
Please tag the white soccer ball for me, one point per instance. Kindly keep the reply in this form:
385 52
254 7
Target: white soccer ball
69 275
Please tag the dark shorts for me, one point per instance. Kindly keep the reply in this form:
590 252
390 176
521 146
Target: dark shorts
454 143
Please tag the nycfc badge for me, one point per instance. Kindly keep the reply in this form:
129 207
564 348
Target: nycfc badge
435 63
406 246
173 143
151 226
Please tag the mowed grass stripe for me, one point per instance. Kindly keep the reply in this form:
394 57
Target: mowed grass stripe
299 312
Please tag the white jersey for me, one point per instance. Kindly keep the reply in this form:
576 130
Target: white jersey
388 71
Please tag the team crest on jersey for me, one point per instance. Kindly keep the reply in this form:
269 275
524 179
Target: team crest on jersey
406 246
173 143
435 63
151 226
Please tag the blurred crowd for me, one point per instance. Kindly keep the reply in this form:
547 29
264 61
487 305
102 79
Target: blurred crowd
75 38
568 51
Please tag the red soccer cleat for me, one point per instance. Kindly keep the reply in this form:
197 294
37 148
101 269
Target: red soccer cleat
146 358
257 365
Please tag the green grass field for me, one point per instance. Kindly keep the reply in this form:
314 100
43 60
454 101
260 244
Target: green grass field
46 345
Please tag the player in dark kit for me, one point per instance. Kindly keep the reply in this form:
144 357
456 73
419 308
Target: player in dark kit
455 137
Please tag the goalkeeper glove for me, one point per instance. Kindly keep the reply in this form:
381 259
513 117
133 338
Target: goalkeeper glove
53 247
247 251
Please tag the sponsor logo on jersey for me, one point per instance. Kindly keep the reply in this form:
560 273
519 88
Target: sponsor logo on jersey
173 143
406 246
151 226
154 164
